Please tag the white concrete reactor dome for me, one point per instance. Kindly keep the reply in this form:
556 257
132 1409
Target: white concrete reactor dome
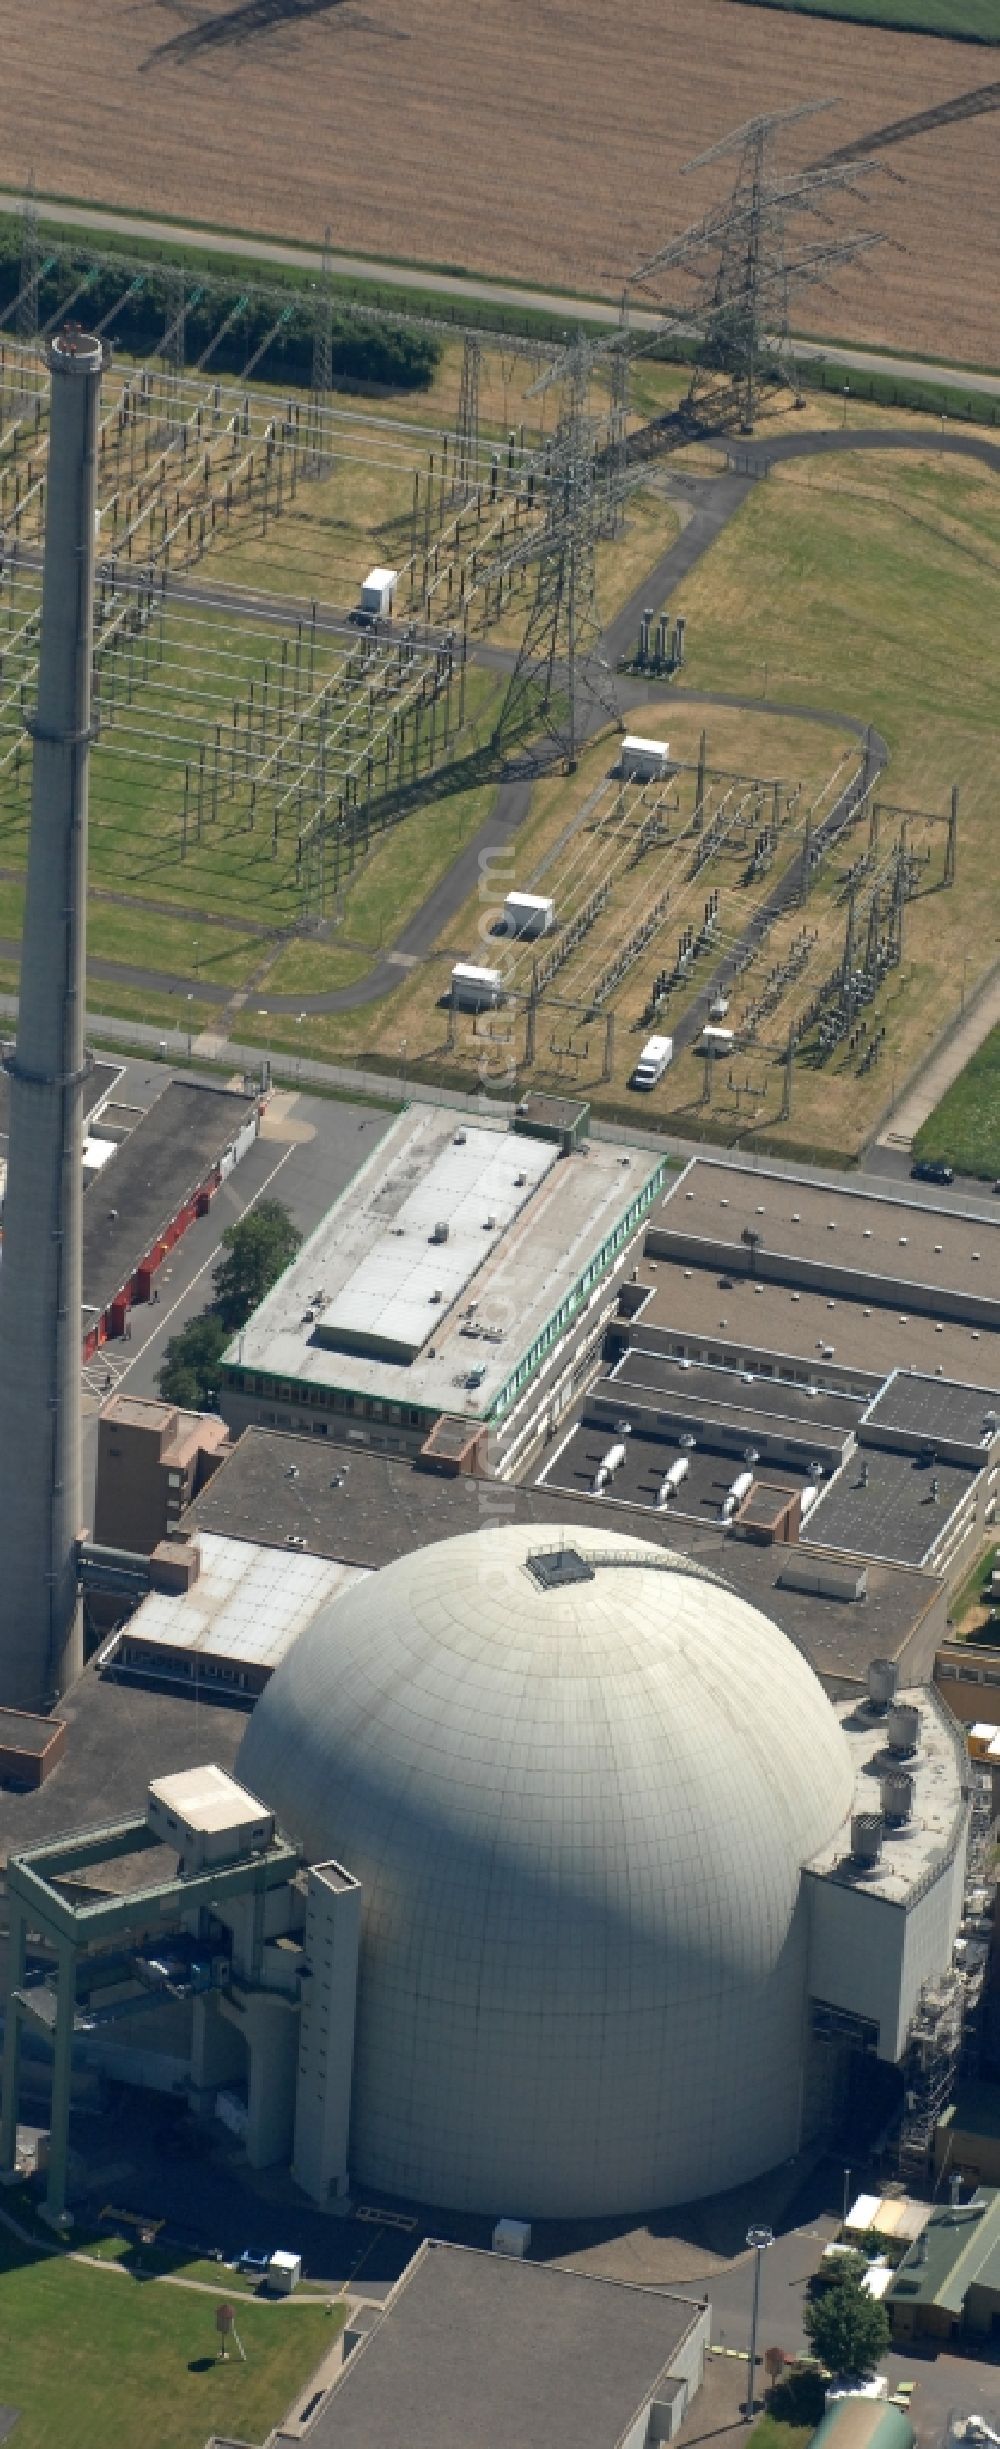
578 1783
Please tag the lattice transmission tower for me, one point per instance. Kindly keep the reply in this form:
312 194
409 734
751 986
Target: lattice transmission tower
27 298
560 680
467 426
322 357
322 364
746 263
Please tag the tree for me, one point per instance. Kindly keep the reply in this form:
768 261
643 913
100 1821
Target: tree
257 1252
190 1370
848 2329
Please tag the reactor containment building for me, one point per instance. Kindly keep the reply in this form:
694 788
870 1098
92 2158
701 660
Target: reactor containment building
623 1873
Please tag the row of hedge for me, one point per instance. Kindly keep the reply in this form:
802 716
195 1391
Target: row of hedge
926 398
391 355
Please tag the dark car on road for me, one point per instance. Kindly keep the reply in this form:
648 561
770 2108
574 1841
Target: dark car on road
927 1170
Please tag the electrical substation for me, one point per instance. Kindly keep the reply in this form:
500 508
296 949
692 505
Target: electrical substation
258 732
724 892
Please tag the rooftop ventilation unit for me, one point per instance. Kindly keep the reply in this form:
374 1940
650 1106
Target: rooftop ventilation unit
866 1838
903 1728
896 1797
883 1677
441 1232
825 1581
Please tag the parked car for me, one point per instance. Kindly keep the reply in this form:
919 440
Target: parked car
927 1170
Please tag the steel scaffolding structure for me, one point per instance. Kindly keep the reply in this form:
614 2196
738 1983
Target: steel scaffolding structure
945 2036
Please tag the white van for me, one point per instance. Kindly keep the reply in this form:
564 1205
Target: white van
656 1054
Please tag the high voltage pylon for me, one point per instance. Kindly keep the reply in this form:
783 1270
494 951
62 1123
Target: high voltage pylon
322 364
560 680
467 427
173 345
617 451
747 260
27 302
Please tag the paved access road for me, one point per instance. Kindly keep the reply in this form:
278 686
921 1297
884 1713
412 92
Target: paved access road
719 501
465 287
307 1152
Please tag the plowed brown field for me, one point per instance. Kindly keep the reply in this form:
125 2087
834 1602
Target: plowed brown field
541 139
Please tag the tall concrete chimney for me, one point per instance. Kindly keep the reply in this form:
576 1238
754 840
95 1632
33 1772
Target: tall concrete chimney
41 1639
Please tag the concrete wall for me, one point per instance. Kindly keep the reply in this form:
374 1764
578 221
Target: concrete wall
814 1275
872 1957
218 2049
660 2418
689 2362
916 1658
270 2027
969 1680
326 2041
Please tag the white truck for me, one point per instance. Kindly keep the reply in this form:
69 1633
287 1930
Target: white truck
656 1054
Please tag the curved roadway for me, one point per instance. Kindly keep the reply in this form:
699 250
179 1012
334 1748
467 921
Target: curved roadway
749 460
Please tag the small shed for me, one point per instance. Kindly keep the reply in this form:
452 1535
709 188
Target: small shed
284 2271
529 914
377 593
644 760
512 2236
472 989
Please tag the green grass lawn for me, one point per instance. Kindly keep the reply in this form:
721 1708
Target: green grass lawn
92 2357
794 2409
964 1130
962 20
769 2434
872 587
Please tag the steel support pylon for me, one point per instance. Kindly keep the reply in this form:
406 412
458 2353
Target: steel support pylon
560 680
467 426
27 299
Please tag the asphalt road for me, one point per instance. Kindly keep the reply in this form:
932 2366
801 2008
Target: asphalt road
755 458
307 1152
723 497
466 288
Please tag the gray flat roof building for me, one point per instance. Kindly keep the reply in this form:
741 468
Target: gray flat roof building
830 1226
647 1371
367 1509
898 1506
937 1411
863 1335
450 1270
475 2348
229 1631
179 1147
117 1740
